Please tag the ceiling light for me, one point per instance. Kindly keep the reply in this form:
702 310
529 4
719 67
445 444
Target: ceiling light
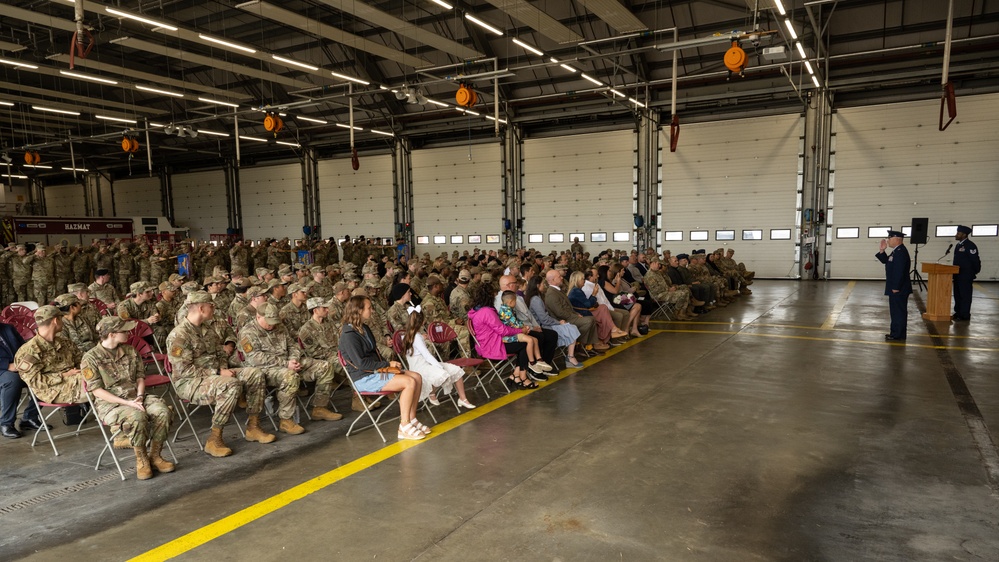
153 23
40 167
345 126
815 81
808 65
217 102
790 28
312 120
435 102
491 118
51 110
351 78
294 144
617 93
569 68
801 50
553 59
116 119
215 133
443 4
482 24
470 112
157 91
636 102
592 79
6 103
68 169
79 76
377 132
295 63
12 62
244 137
225 43
780 7
17 177
528 47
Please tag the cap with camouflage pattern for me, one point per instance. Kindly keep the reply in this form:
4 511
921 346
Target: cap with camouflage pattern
316 302
198 297
256 291
339 286
66 300
296 287
46 313
113 324
270 314
76 287
139 287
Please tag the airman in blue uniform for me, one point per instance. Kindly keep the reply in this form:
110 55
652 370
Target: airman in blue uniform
967 258
898 285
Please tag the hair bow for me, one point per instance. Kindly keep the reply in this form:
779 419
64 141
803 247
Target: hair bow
413 309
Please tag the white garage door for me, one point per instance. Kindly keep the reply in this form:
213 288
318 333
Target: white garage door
271 201
199 203
457 200
892 164
138 197
580 184
734 184
65 201
360 202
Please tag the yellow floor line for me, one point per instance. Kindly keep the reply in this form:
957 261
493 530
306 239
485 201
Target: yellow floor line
980 287
232 522
830 322
810 338
799 327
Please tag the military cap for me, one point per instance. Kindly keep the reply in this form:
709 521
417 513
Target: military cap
167 286
46 313
339 286
101 272
238 271
682 257
256 291
964 229
299 266
139 287
284 270
895 234
76 287
189 287
270 313
213 279
296 287
66 300
655 260
316 269
175 277
487 277
274 283
219 272
199 297
263 271
316 302
372 283
113 324
464 276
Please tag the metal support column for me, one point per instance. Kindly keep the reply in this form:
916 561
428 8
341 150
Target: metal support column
512 161
232 197
648 181
310 191
402 189
92 183
815 188
166 193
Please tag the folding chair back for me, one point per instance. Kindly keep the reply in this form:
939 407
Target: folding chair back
107 433
399 344
15 311
102 308
25 326
367 410
440 333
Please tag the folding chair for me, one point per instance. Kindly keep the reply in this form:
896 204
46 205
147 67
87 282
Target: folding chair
307 403
496 366
441 333
56 407
102 309
185 412
398 345
664 308
15 311
367 409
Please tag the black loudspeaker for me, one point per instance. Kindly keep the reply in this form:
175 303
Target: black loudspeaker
919 227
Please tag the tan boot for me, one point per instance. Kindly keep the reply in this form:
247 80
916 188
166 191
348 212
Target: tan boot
242 403
356 405
290 427
142 469
696 302
215 446
122 442
156 458
324 414
254 433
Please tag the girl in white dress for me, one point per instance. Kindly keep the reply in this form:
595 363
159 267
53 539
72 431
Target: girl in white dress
421 360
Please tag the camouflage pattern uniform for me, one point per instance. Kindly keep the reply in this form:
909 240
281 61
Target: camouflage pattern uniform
104 259
83 265
117 371
105 293
398 315
435 310
659 289
80 331
42 276
123 268
239 257
270 352
379 329
167 310
320 341
129 310
63 269
43 365
7 294
293 317
460 302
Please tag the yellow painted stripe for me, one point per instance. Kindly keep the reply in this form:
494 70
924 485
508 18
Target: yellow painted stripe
811 338
838 307
980 287
799 327
232 522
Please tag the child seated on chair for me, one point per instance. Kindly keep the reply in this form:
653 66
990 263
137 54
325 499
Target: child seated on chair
508 317
435 373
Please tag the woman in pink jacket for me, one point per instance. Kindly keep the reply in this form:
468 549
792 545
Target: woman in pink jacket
489 332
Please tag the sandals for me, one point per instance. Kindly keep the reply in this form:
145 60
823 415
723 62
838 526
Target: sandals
517 384
423 429
410 432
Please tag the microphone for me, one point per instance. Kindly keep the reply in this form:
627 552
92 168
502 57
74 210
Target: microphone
949 246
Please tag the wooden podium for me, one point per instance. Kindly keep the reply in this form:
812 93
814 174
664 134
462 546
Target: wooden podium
938 290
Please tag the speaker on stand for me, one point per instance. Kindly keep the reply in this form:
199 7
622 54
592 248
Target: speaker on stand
918 235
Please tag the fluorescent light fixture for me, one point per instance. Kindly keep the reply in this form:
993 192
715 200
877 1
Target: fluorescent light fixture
39 166
294 144
216 133
617 93
636 102
569 68
244 137
158 91
815 81
217 102
482 24
528 47
443 4
17 177
384 87
16 63
311 120
346 126
79 76
6 104
295 63
68 169
800 49
491 118
350 78
51 110
115 119
377 132
808 65
790 28
592 79
435 102
470 112
127 15
780 7
225 43
553 59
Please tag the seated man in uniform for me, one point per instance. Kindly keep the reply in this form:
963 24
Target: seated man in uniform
295 313
89 311
201 375
49 364
319 340
139 304
256 297
11 386
102 289
116 380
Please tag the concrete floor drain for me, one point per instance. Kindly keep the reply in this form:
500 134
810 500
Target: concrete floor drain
37 500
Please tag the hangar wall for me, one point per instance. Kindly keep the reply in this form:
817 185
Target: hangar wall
355 203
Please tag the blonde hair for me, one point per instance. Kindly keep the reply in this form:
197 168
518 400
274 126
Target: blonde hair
576 279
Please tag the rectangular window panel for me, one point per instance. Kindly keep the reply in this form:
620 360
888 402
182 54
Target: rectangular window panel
438 239
848 232
556 237
535 238
985 230
907 231
422 239
492 239
673 236
577 237
946 230
598 237
474 238
458 239
780 233
724 235
698 235
752 235
878 231
622 236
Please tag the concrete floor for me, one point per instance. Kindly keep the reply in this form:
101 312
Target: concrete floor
782 427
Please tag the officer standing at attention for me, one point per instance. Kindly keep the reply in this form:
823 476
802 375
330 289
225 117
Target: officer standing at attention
966 257
898 286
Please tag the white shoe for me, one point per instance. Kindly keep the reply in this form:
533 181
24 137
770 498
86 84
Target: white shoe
465 404
433 399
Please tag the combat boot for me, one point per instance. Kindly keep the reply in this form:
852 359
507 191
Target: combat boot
254 433
696 302
142 469
290 427
156 458
324 414
122 442
214 446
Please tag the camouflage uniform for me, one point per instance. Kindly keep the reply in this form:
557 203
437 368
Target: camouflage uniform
80 331
116 371
319 341
659 289
7 294
167 310
20 273
244 317
379 329
43 365
398 315
83 265
239 257
293 317
42 277
460 301
435 310
105 293
124 265
63 269
104 259
128 309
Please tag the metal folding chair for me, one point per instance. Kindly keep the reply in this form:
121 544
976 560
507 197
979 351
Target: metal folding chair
184 410
56 407
398 344
441 333
496 366
367 409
